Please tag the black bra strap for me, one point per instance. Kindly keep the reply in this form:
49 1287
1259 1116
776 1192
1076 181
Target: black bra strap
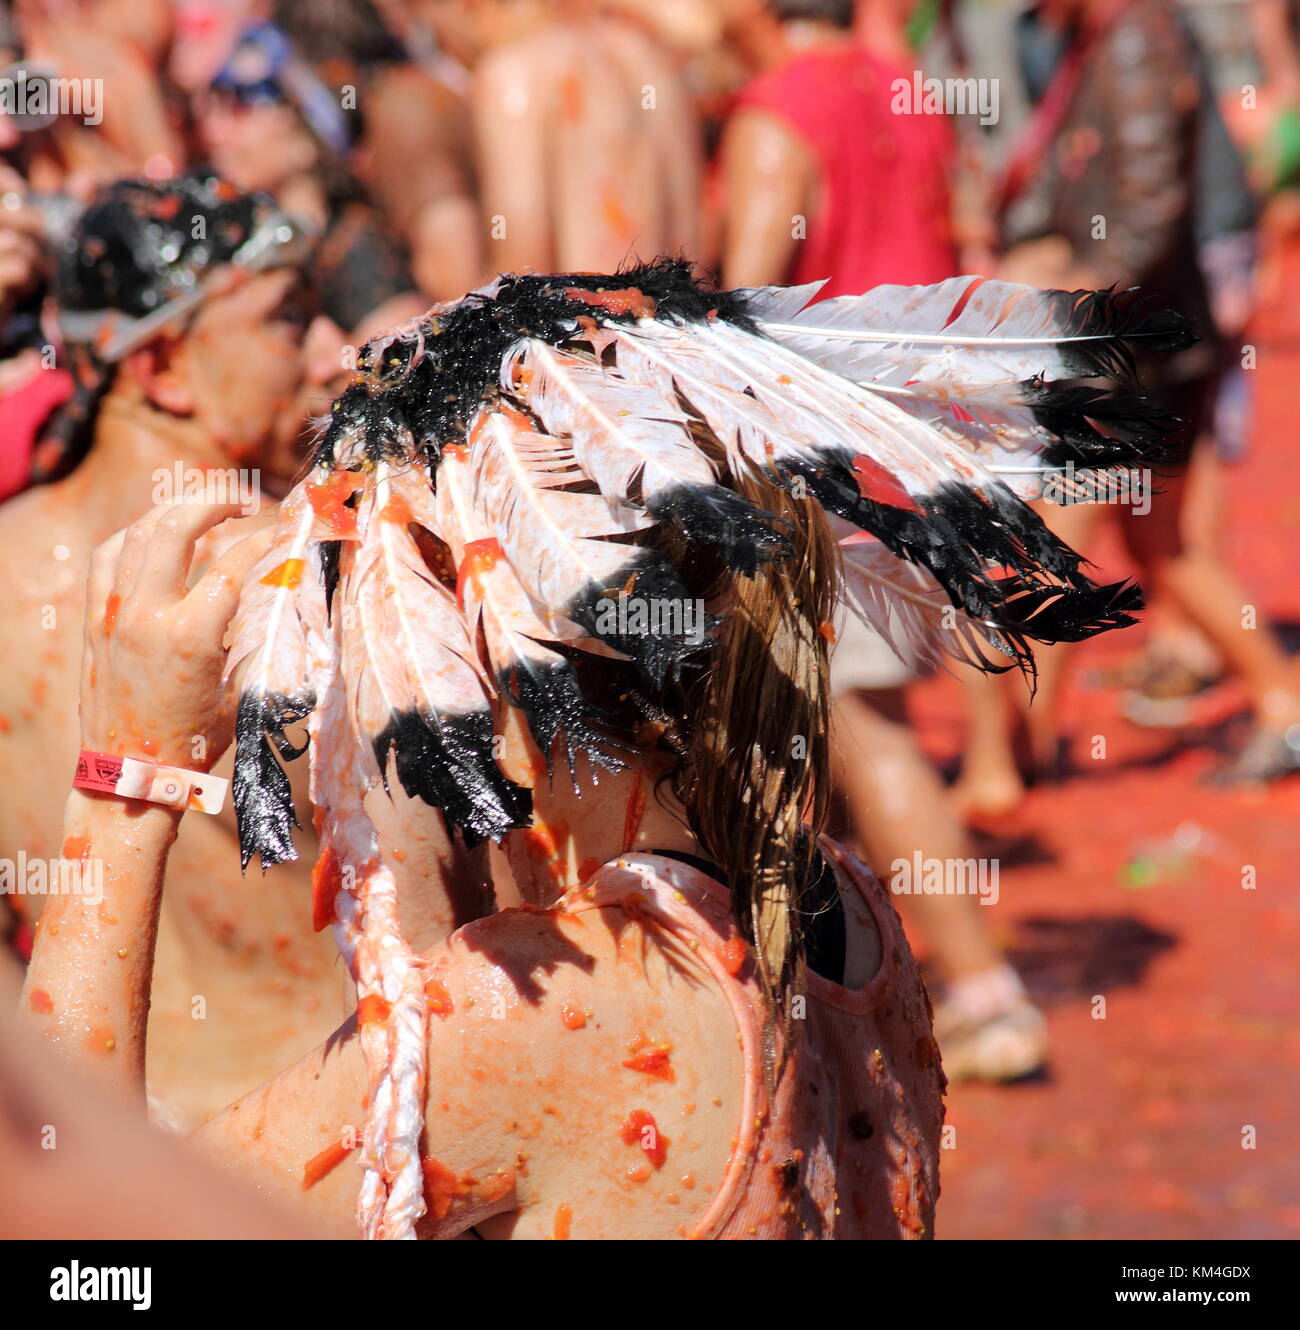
825 932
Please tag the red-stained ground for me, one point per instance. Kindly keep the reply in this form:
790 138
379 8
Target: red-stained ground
1139 1132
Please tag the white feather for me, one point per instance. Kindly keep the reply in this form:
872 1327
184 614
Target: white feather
1005 333
912 612
622 433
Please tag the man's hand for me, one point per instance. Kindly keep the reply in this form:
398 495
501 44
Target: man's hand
151 682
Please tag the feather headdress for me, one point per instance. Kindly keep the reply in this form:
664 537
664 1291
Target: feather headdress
474 521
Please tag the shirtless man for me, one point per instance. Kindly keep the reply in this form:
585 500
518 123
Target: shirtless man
588 150
241 982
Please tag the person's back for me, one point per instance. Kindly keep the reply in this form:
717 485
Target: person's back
588 150
626 1045
846 1147
828 176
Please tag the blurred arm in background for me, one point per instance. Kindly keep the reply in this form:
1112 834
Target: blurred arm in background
770 176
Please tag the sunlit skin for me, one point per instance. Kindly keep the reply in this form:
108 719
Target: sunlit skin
230 392
770 175
22 256
415 161
577 170
413 158
122 43
203 39
112 1175
556 1040
268 149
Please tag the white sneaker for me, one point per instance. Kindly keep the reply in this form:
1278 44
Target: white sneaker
988 1030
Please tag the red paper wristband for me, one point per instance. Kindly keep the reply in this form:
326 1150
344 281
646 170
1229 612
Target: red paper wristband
154 782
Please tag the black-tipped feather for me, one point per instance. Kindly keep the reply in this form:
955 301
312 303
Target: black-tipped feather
1139 431
264 812
549 696
675 624
448 763
746 536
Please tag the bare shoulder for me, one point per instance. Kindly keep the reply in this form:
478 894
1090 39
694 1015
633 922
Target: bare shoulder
590 1063
25 513
514 68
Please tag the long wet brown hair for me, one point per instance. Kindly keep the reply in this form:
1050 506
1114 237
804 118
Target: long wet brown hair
752 779
746 726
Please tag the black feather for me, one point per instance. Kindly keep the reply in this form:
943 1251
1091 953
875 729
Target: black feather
1139 432
964 537
329 571
1118 323
264 812
651 594
447 761
553 704
744 534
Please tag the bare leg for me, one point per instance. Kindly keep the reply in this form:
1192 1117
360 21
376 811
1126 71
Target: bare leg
898 806
986 1026
1173 638
1076 524
990 784
991 781
1209 594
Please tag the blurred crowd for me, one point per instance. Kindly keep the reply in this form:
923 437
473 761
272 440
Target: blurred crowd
392 154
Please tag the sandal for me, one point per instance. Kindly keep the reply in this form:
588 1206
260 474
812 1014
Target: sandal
1265 757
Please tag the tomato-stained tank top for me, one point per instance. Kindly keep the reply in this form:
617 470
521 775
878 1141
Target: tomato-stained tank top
847 1146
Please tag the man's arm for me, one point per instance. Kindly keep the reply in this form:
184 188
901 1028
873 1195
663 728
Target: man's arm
112 1174
510 145
151 686
87 987
769 177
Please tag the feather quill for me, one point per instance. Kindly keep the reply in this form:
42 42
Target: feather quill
996 334
633 441
270 642
414 683
551 537
538 680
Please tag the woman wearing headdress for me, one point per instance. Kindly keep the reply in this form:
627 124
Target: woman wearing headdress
560 576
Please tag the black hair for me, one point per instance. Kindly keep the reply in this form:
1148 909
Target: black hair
143 243
838 12
138 245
